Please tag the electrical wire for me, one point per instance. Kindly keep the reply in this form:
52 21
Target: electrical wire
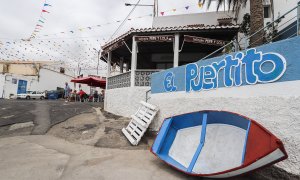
124 21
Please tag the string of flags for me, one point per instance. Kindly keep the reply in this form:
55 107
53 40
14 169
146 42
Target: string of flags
199 5
81 29
41 20
68 49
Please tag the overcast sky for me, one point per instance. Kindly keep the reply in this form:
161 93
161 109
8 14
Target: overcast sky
18 19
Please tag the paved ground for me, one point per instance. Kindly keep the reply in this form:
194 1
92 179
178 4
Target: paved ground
44 114
88 145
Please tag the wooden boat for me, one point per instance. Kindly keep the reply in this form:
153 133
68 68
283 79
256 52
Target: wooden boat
216 144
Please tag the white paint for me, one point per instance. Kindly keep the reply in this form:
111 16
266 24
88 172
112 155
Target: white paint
133 61
124 101
276 106
109 54
185 145
47 80
222 150
2 81
275 155
21 126
208 18
139 123
176 50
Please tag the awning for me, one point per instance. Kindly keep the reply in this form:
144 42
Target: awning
91 81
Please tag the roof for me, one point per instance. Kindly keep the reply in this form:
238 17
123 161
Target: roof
187 28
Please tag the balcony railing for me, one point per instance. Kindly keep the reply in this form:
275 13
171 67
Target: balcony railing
142 78
119 81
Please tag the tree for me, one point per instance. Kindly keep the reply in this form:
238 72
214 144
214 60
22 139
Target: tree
256 18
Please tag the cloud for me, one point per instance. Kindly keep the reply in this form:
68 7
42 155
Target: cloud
18 20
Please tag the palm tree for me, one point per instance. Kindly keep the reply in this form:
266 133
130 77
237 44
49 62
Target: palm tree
256 16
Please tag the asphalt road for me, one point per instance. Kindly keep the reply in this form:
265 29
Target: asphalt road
44 113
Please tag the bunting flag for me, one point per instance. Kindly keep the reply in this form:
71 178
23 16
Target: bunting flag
45 11
200 5
41 19
187 7
162 13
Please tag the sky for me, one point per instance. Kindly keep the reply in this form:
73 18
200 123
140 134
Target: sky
72 30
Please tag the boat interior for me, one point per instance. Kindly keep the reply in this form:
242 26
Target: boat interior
205 142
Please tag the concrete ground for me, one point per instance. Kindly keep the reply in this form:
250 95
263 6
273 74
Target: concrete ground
86 144
42 113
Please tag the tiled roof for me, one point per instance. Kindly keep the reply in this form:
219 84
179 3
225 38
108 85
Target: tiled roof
169 29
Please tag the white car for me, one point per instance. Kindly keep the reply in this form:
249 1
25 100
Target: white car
32 95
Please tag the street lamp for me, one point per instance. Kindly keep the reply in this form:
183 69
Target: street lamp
128 4
98 59
155 6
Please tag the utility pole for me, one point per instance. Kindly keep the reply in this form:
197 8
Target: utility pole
98 52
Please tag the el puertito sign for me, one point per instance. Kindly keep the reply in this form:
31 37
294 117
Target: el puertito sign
243 68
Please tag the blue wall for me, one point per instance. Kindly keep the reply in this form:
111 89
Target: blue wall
276 62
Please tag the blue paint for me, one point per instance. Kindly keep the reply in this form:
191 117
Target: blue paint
161 136
168 131
246 139
169 82
202 141
278 62
22 87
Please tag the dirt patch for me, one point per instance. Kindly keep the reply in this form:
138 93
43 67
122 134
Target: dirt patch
109 115
100 130
77 128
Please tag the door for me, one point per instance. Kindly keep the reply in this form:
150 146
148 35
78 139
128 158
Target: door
22 87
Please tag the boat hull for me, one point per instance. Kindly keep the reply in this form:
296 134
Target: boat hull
216 144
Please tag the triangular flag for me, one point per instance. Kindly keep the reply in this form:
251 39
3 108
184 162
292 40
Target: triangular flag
72 31
200 5
41 21
45 11
47 4
187 7
162 13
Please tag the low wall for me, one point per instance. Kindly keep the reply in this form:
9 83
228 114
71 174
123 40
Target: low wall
262 83
277 110
124 101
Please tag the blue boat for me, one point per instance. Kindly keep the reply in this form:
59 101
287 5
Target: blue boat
216 144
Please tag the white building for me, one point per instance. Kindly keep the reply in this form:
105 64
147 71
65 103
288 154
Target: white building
19 77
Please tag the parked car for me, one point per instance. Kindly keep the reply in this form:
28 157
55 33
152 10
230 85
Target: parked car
54 94
32 95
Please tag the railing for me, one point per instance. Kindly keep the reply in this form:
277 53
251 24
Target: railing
142 77
119 81
276 27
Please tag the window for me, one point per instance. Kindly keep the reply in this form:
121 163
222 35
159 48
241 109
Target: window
267 11
14 81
